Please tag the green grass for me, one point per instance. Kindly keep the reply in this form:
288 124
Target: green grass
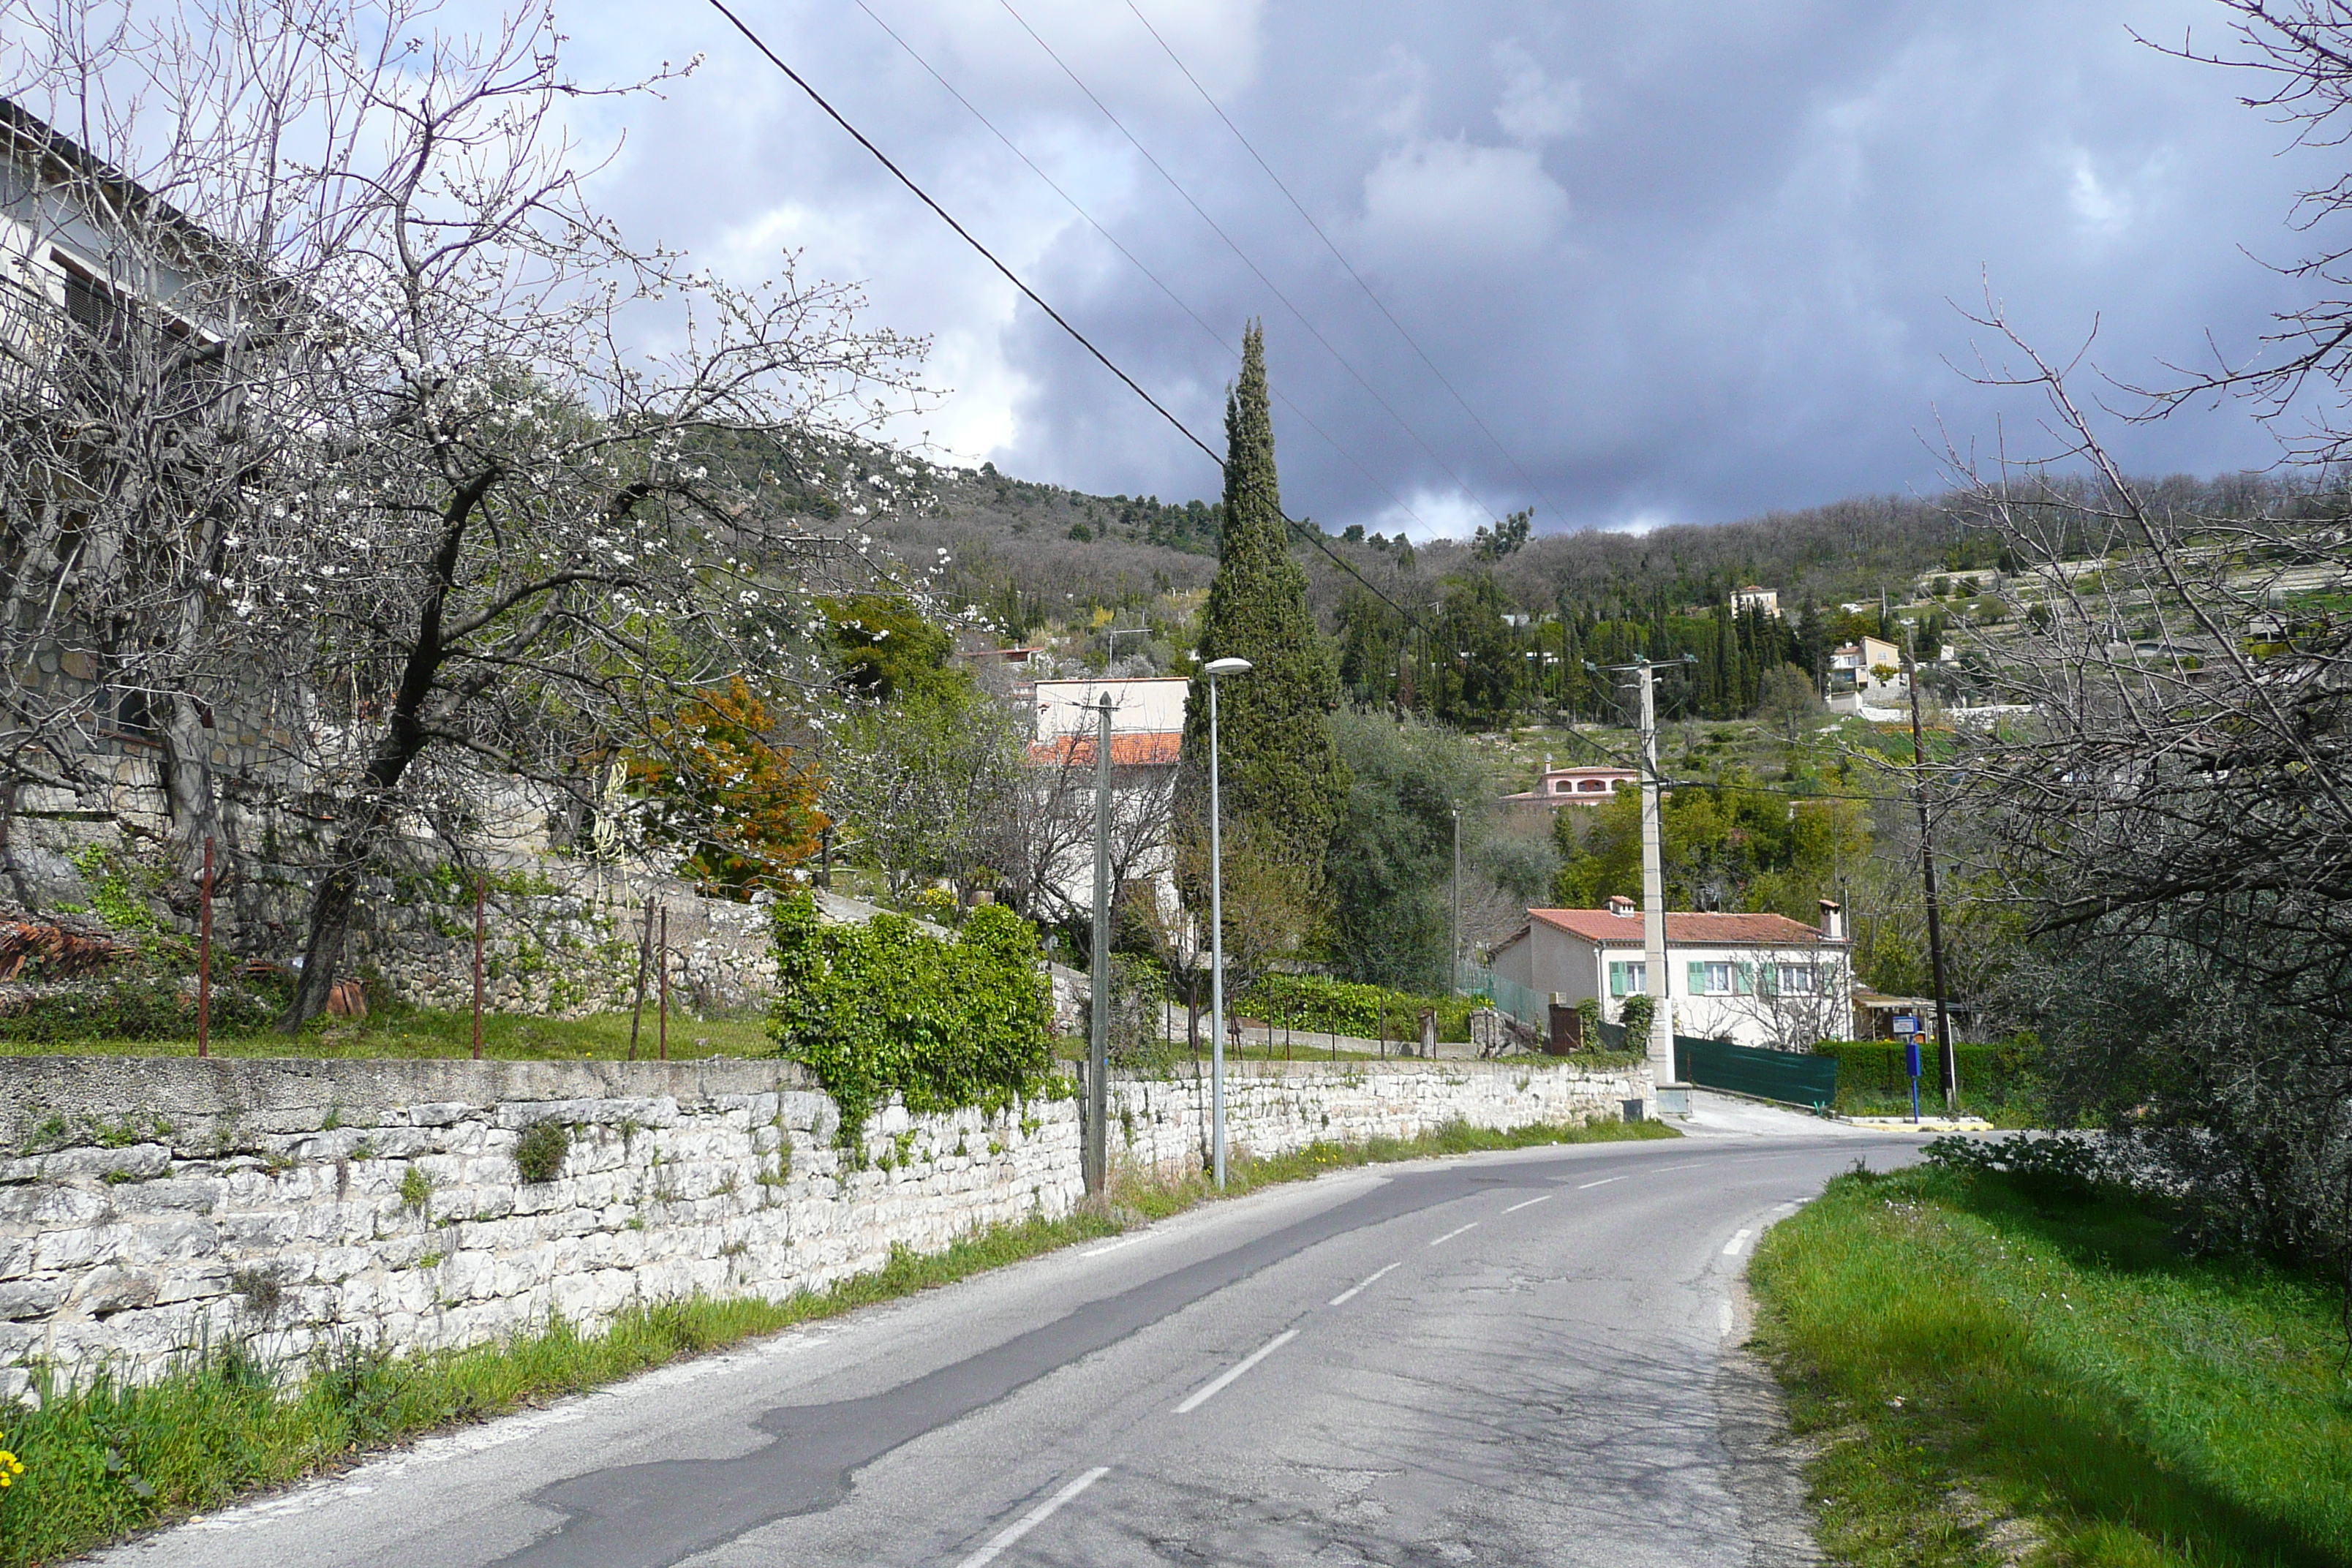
105 1461
417 1032
1991 1360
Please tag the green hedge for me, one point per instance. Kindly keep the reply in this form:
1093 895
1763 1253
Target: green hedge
1343 1006
881 1007
1871 1071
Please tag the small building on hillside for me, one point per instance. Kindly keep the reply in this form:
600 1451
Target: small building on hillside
1758 599
1573 787
1753 979
1865 674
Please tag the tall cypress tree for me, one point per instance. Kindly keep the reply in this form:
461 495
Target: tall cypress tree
1277 763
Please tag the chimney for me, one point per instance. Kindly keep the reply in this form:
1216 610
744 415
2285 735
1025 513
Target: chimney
1621 906
1833 920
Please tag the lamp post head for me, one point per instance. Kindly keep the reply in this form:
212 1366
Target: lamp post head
1217 666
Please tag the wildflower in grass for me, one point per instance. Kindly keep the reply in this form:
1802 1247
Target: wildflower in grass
11 1467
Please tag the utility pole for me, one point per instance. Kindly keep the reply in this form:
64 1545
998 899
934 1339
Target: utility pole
1454 964
1947 1059
1099 1053
1654 889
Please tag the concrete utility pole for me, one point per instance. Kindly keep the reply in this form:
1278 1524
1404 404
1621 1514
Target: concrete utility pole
1214 668
1948 1060
1098 1055
1654 889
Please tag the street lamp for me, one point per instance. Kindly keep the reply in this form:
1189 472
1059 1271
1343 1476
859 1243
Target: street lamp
1214 668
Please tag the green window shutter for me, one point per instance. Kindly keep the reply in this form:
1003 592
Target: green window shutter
1744 979
1616 978
1698 979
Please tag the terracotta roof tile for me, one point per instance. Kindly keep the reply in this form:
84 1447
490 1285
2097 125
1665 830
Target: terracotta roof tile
1146 749
1685 930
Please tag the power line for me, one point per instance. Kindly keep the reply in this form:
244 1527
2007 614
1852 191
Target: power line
1313 536
1175 299
1215 228
1378 303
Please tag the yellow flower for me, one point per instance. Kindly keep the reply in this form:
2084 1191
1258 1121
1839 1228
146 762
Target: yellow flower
10 1465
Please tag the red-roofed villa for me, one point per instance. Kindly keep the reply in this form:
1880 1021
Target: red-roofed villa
1752 979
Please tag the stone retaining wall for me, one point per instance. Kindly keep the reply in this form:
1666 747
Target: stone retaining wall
149 1207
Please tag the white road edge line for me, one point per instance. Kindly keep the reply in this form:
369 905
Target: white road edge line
1210 1389
1531 1203
1602 1183
1739 1239
1033 1519
1110 1246
1450 1235
1344 1297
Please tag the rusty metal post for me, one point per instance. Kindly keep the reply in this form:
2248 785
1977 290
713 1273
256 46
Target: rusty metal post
645 958
661 962
205 959
481 895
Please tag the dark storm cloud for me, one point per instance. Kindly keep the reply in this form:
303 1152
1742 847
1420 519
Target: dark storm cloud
1685 262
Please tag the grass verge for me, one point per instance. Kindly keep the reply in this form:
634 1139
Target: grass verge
2003 1368
111 1459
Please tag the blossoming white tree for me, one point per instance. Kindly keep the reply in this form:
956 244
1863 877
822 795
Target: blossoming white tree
370 438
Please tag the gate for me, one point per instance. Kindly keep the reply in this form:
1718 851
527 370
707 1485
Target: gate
1788 1077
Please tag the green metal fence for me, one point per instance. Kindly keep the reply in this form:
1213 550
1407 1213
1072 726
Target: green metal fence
1785 1076
1508 995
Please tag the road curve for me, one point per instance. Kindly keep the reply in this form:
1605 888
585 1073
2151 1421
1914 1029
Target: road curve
1521 1358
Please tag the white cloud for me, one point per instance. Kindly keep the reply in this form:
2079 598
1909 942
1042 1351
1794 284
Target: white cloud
1534 108
1394 100
2099 206
1458 199
1646 520
1433 514
982 48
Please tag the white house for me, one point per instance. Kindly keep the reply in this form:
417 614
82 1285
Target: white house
1865 674
1150 705
1758 599
1752 979
1147 741
1575 786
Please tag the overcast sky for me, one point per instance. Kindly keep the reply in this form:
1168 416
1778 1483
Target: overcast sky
1686 263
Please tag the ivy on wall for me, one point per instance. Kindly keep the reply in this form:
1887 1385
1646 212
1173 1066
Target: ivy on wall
883 1008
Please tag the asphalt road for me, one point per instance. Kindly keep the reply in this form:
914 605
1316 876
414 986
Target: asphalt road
1523 1358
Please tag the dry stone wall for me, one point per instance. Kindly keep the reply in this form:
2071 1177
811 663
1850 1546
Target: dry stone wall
151 1207
1162 1125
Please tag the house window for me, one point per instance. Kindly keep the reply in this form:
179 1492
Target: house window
1628 979
1593 787
91 304
1725 979
1798 980
1561 786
